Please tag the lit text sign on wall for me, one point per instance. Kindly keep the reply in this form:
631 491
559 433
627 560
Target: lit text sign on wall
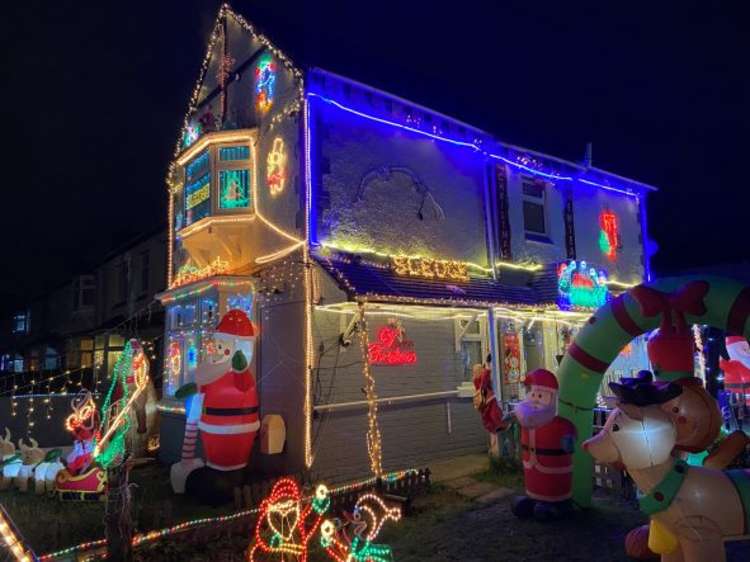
189 273
198 196
392 348
429 268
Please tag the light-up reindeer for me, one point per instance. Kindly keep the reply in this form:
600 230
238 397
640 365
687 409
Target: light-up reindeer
693 509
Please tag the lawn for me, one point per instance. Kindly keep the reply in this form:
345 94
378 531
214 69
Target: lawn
443 526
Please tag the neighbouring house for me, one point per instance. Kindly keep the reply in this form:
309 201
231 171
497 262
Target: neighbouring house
383 249
71 336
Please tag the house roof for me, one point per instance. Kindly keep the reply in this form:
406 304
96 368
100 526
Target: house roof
360 278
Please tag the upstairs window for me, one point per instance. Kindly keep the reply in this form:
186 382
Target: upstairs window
534 212
83 292
197 188
21 323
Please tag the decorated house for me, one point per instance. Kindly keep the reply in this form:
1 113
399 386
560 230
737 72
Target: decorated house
381 250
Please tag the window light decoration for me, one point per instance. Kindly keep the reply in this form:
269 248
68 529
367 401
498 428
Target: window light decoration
234 189
581 286
265 78
392 347
276 167
609 235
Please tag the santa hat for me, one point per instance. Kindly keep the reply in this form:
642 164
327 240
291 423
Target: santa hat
541 377
236 323
732 340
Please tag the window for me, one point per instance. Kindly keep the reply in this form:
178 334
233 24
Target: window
470 344
83 292
21 323
534 215
145 272
87 353
122 281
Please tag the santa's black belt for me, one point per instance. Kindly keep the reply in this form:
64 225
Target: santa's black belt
230 411
558 452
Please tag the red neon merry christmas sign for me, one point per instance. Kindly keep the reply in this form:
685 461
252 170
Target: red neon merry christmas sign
392 347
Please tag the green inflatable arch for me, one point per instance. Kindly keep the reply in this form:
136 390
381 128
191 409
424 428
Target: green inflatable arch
727 306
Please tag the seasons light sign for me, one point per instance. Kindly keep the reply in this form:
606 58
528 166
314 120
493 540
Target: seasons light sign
392 348
428 268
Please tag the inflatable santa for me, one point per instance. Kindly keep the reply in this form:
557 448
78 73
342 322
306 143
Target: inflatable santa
547 450
224 404
737 369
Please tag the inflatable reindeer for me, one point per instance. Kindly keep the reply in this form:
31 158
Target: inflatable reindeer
692 509
9 459
30 458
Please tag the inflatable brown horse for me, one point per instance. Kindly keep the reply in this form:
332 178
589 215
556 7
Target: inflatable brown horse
692 509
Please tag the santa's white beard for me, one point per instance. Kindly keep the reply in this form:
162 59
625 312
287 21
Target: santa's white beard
532 416
208 372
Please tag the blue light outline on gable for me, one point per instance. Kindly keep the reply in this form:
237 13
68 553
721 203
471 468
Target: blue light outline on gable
312 218
472 146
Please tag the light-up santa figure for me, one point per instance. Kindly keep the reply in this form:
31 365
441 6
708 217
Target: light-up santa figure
737 369
225 402
547 442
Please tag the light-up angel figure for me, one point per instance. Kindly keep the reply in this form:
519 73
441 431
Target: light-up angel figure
283 531
352 540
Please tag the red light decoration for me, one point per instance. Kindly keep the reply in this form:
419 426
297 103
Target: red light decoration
609 236
282 531
392 348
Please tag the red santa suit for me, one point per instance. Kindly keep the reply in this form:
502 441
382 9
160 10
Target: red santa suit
229 419
489 409
737 369
547 450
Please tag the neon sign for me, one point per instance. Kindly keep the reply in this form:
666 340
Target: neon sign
581 286
265 77
429 268
609 235
276 167
392 348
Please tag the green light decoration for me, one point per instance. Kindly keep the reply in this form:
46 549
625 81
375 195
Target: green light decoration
604 244
115 447
234 190
363 550
581 286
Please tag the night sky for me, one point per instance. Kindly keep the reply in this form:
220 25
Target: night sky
94 95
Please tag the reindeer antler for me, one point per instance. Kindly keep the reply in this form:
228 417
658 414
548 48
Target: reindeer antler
34 443
7 436
21 445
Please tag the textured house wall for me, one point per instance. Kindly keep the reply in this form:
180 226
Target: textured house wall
383 188
413 433
588 204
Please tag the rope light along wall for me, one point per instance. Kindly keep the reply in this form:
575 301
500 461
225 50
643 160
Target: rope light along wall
374 442
12 539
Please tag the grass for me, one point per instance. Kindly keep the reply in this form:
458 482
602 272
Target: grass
505 472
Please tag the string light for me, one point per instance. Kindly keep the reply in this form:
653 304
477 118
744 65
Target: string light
156 535
374 441
699 350
276 167
190 273
581 286
12 539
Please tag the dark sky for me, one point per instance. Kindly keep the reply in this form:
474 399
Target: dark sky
94 93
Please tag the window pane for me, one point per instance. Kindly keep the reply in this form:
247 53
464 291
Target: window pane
197 199
533 190
233 189
533 217
87 344
197 167
471 354
234 153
